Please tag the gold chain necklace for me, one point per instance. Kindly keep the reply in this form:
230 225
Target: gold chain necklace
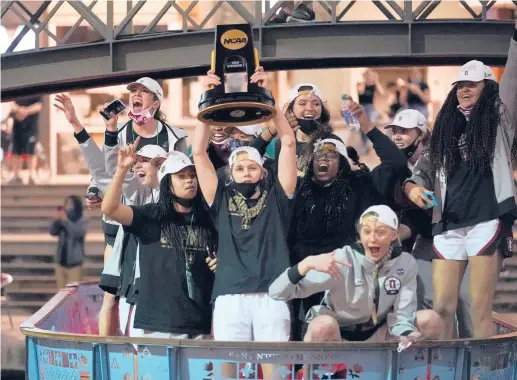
237 204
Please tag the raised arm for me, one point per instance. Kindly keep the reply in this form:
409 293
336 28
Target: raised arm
206 174
111 205
287 172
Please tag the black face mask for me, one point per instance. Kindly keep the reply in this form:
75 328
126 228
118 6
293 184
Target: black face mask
183 201
246 189
307 126
411 148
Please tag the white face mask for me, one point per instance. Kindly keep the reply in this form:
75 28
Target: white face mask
142 117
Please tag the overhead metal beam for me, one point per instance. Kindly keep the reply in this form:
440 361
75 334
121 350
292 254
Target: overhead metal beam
5 7
28 24
304 46
92 19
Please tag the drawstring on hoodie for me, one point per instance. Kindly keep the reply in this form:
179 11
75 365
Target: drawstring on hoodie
376 296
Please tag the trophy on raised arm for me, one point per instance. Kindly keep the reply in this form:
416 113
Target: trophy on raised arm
235 101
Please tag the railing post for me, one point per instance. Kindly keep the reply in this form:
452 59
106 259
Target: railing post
100 362
174 365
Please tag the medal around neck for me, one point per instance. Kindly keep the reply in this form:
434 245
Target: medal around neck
235 101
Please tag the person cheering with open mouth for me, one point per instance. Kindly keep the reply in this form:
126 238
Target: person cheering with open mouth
370 287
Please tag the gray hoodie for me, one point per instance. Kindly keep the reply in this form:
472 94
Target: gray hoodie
351 301
134 193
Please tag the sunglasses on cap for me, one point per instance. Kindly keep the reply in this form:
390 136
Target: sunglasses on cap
305 90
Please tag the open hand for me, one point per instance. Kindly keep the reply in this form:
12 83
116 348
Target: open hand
64 103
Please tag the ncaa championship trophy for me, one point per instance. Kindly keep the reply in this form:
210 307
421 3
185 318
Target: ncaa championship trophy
236 101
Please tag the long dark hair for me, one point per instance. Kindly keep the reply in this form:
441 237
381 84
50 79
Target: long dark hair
480 132
323 131
335 206
172 219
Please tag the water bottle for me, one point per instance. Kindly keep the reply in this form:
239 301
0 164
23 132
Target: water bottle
351 121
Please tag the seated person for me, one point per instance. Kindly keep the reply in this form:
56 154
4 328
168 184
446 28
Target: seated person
351 310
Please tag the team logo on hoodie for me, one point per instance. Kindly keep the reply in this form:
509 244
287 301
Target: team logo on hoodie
392 285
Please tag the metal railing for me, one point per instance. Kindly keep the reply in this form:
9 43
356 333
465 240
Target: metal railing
58 348
258 14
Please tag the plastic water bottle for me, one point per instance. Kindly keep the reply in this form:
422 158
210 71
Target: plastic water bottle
351 121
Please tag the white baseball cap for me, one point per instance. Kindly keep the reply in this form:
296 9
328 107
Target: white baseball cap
150 84
304 89
250 130
380 213
489 74
155 152
475 71
175 162
245 153
327 144
409 119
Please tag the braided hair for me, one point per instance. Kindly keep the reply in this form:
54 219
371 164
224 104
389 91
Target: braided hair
480 131
174 226
335 207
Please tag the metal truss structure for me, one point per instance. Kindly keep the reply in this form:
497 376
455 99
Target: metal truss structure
406 36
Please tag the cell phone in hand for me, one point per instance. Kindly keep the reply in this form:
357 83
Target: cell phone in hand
115 106
433 198
94 197
210 253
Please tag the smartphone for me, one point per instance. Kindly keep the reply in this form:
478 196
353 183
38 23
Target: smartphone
115 106
93 197
433 198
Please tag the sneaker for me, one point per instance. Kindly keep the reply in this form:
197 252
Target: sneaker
279 18
302 13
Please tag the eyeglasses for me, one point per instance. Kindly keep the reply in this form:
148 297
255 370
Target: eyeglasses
326 155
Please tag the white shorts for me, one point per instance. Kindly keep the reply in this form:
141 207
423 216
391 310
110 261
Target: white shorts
460 244
124 311
251 317
126 314
166 335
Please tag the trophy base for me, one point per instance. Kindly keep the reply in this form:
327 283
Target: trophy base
236 108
